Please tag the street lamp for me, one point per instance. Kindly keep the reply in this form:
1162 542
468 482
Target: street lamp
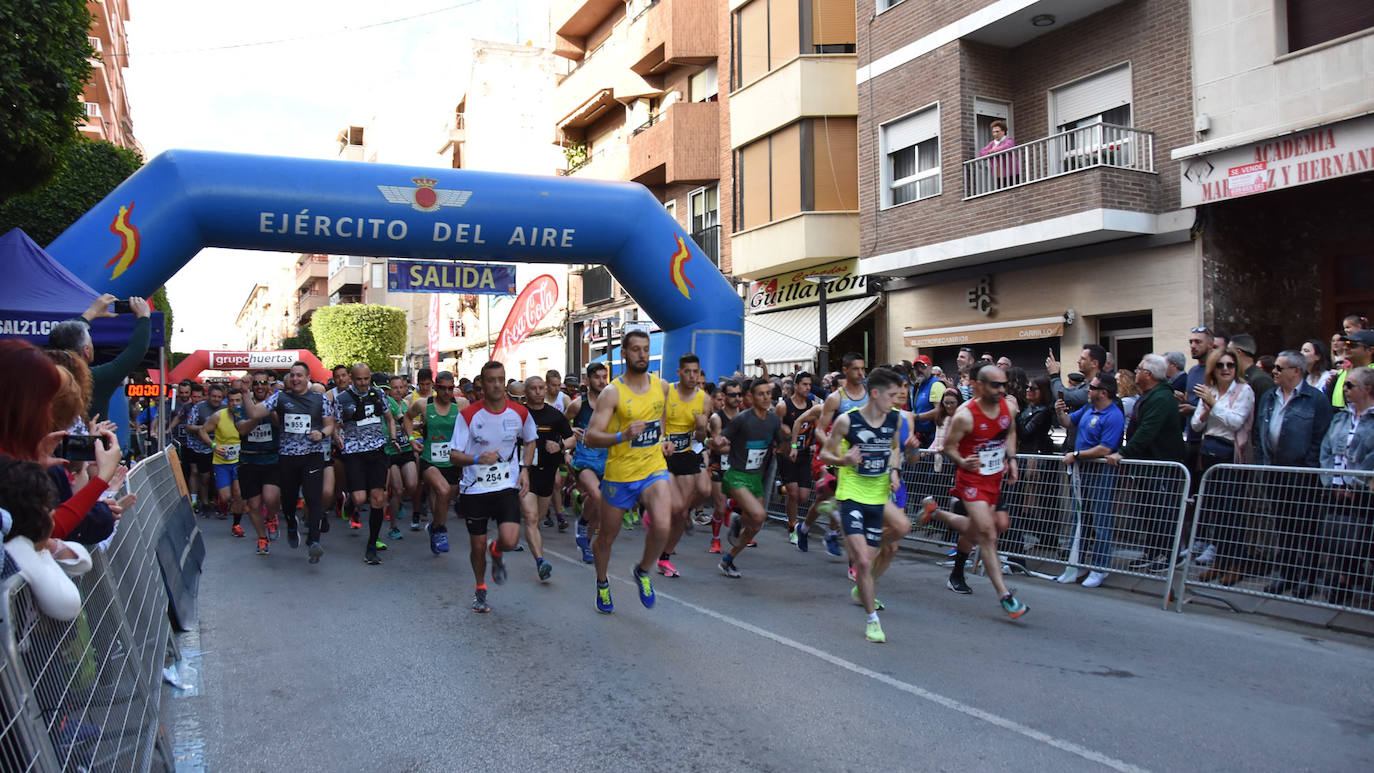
823 282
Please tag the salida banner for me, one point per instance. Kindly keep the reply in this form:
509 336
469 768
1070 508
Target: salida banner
535 301
427 276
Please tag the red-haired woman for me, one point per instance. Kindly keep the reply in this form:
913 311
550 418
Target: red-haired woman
26 415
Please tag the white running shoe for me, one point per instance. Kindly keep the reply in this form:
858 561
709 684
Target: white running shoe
1094 579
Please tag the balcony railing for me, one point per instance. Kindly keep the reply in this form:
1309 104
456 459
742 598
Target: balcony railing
708 239
654 118
1072 151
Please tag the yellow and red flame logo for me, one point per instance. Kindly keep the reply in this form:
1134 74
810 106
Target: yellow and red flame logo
128 241
677 269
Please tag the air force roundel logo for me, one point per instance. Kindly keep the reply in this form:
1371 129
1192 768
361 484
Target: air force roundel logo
424 197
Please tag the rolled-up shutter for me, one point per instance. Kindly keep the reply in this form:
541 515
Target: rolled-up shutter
1092 95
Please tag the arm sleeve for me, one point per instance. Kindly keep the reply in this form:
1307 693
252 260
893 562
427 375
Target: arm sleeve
75 567
529 431
1151 423
1321 421
71 512
105 378
562 427
1113 429
1037 425
56 595
1232 412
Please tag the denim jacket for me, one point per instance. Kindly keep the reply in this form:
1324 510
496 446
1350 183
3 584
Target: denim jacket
1359 455
1305 421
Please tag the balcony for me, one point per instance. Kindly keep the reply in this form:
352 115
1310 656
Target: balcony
98 87
306 303
602 164
815 85
454 133
680 144
311 267
1088 147
670 33
573 20
600 78
346 281
794 242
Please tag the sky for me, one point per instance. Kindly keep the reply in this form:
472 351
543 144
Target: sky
283 77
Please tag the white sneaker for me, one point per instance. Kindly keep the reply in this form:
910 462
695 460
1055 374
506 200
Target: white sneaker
1209 554
1071 575
1094 579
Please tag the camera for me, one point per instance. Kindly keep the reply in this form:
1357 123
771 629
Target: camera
77 448
123 307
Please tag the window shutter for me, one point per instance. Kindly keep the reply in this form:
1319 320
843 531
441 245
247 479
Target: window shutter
1092 95
911 130
832 22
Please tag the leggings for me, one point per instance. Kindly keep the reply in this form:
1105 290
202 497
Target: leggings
303 475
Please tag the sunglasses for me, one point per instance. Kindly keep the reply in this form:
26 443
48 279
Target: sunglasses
1097 387
261 383
1279 369
1200 330
733 394
1225 365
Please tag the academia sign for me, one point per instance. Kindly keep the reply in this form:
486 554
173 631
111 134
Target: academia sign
793 289
1324 153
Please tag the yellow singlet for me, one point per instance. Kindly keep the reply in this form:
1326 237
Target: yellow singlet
682 418
226 437
636 458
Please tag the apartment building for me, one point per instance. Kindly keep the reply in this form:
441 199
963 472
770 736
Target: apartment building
1074 235
643 96
106 101
310 287
501 124
266 316
1281 167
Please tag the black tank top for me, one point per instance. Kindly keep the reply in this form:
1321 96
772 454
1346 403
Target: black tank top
794 413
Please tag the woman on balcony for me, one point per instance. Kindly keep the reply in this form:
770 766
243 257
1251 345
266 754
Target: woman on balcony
1005 168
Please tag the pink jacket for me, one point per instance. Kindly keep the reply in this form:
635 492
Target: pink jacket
1007 165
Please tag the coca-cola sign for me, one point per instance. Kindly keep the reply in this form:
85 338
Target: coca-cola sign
535 301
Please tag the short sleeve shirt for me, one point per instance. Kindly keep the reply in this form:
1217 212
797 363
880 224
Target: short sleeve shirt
362 418
1098 428
200 413
299 415
479 430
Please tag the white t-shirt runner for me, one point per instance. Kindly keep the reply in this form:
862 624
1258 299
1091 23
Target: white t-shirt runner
478 430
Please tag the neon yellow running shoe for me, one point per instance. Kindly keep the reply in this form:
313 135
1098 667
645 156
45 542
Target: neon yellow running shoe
878 604
874 633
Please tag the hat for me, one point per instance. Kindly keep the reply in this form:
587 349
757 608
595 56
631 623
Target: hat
1077 378
1361 337
921 359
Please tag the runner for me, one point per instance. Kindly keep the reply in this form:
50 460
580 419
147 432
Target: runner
401 475
555 437
225 459
487 445
365 422
588 464
849 396
629 420
749 439
436 466
555 396
188 394
306 425
864 443
982 444
794 467
685 422
424 393
258 474
333 461
199 451
731 394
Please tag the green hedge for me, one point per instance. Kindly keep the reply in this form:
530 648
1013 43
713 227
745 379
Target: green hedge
357 332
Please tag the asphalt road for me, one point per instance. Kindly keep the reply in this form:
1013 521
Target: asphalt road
343 666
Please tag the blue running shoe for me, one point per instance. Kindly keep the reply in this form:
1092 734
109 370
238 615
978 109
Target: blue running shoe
803 542
438 540
580 534
1012 607
646 587
603 598
832 543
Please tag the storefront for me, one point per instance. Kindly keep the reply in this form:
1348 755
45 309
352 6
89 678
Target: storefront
783 318
1132 302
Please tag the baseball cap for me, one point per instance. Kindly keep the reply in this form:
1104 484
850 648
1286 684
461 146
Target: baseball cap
921 359
1077 378
1361 337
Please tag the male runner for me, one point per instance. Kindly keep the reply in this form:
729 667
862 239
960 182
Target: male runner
306 425
749 439
629 420
188 394
334 478
424 393
400 457
487 445
362 412
588 464
436 466
258 474
794 467
555 436
982 444
226 447
555 396
864 444
685 422
198 450
849 396
731 394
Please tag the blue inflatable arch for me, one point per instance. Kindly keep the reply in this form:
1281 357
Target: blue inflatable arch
183 201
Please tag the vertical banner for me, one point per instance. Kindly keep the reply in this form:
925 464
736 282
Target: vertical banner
434 332
535 302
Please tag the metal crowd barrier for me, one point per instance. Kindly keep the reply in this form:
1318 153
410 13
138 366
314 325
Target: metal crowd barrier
85 694
1294 534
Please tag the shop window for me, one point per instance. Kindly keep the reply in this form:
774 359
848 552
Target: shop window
1311 22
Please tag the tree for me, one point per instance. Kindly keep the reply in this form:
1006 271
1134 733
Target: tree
44 66
357 332
88 171
160 303
303 339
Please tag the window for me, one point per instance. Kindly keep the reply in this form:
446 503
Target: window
378 276
95 43
832 26
704 86
670 207
1103 97
1311 22
769 177
911 151
883 5
767 35
985 111
705 225
92 109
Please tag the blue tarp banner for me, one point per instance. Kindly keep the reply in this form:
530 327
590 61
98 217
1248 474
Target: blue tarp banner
428 276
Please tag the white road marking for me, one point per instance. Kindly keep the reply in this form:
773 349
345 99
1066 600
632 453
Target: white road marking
906 687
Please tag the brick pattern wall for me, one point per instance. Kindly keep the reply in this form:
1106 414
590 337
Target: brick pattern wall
727 161
906 22
1150 34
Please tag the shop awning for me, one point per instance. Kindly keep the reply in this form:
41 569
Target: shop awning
788 337
988 332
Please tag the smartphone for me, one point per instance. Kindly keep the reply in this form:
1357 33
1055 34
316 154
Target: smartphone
77 448
122 307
